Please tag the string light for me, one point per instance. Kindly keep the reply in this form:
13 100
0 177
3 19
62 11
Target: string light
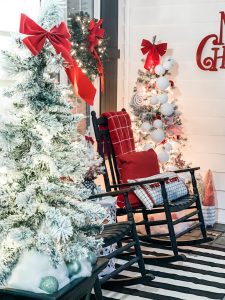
80 30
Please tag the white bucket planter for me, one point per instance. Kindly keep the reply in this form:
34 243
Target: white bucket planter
209 213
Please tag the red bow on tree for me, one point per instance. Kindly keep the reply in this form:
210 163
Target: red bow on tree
154 51
58 36
95 34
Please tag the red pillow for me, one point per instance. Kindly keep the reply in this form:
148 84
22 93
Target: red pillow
137 165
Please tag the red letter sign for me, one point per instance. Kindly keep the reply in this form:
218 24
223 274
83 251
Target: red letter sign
210 63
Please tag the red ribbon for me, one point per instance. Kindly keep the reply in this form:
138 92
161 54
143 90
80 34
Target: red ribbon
58 36
95 34
154 51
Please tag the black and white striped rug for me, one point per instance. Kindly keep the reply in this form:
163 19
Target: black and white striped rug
200 277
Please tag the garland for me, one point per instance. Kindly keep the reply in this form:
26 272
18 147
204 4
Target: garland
79 30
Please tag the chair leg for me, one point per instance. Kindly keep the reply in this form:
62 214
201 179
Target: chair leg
201 218
138 252
119 244
198 205
171 230
97 289
169 220
147 226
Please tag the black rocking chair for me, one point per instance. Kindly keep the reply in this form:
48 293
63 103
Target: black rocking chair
115 234
191 203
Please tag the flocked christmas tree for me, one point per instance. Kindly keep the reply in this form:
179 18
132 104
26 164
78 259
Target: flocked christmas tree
155 116
43 164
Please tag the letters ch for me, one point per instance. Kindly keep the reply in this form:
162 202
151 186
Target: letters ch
216 60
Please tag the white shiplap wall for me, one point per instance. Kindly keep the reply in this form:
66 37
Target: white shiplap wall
10 11
201 94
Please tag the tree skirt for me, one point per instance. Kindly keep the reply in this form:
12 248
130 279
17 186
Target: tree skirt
201 277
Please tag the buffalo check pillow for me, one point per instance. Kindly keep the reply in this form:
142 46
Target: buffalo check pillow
150 193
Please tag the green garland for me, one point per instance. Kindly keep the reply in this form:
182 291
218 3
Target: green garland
78 25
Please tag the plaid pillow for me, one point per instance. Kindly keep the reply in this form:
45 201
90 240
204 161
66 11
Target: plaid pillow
150 194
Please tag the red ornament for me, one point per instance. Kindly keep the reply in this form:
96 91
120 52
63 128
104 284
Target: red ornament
58 36
95 34
89 139
163 142
171 83
154 51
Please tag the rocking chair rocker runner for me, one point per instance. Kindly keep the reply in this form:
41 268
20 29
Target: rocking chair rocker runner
107 142
115 233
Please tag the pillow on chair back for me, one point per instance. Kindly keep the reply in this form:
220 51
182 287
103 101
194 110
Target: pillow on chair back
136 165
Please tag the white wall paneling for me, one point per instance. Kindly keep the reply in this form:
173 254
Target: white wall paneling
201 94
9 23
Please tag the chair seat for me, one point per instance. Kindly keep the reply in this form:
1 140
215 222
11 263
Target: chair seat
113 233
181 203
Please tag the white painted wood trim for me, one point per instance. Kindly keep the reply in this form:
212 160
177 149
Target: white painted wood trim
127 54
96 106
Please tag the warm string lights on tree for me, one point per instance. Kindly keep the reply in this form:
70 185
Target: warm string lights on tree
84 31
156 119
47 224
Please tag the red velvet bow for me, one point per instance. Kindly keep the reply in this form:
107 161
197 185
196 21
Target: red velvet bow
58 36
154 51
95 34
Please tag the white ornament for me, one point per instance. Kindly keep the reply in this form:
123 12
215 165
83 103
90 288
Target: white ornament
157 124
137 100
175 145
167 109
157 135
178 113
162 83
154 100
163 98
163 156
169 59
160 70
168 146
146 126
167 65
147 147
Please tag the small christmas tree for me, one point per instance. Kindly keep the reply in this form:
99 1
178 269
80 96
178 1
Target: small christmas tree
44 163
155 115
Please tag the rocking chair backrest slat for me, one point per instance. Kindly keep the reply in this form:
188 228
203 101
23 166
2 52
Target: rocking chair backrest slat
108 152
105 149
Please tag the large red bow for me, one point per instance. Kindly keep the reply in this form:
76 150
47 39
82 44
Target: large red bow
95 34
59 38
154 51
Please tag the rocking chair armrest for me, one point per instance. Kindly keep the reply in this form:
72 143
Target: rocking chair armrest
114 193
159 179
187 170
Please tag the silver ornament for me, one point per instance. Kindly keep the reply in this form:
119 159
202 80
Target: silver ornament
49 284
92 257
73 267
